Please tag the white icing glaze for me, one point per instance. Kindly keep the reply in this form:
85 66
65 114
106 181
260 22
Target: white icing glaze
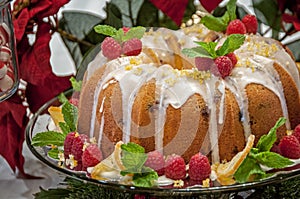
255 65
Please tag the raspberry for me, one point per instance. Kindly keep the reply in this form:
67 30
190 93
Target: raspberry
250 23
68 143
111 49
199 167
156 161
223 66
290 147
203 63
236 27
77 146
132 47
175 167
233 58
296 132
74 101
91 156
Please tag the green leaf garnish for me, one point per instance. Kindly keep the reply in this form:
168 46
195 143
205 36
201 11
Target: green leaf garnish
105 30
133 159
76 85
266 142
196 52
53 153
64 128
272 160
208 49
261 155
134 32
48 138
233 42
70 114
248 167
119 35
220 23
62 98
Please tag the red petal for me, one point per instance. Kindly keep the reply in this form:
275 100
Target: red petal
210 5
20 24
291 19
12 124
35 63
39 94
173 8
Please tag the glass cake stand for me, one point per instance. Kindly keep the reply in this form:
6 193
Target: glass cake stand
39 123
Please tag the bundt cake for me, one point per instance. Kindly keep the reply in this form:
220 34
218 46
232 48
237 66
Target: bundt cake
160 100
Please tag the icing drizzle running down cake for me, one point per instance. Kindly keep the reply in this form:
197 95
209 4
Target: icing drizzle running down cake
159 99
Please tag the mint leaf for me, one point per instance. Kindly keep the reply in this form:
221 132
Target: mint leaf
231 9
119 35
64 128
133 157
70 114
145 179
62 98
220 23
53 153
105 30
233 42
134 32
196 52
272 160
248 167
266 142
48 138
214 23
76 85
210 47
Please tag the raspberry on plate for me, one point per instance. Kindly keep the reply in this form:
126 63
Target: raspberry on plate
91 156
199 167
250 23
68 143
175 167
156 161
236 27
296 132
132 47
77 146
111 49
290 147
223 66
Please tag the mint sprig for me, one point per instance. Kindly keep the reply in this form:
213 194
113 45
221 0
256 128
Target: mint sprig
55 138
48 138
119 35
208 49
261 155
133 159
220 23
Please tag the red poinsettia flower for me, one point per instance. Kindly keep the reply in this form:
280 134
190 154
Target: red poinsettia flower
35 69
173 8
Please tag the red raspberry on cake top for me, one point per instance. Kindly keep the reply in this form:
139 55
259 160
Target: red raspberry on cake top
250 23
236 27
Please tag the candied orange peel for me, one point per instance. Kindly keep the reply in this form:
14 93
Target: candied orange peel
225 171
